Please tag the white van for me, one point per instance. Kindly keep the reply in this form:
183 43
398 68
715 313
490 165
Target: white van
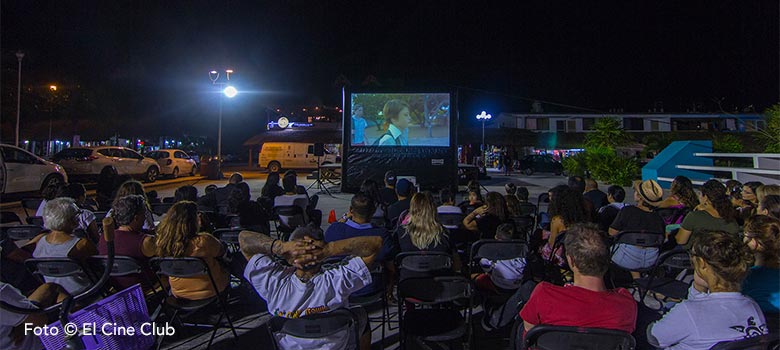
276 156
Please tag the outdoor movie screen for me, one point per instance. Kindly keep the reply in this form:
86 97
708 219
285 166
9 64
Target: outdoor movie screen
400 119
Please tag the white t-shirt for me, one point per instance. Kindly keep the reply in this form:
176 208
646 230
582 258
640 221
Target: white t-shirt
9 320
705 319
287 296
449 209
505 274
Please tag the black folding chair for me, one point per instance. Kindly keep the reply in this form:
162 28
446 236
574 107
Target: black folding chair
543 337
160 209
441 321
228 235
167 200
9 217
287 219
495 250
21 232
524 226
317 326
31 204
674 262
35 220
760 342
123 266
187 268
379 221
100 215
377 298
451 220
527 209
55 269
641 238
424 263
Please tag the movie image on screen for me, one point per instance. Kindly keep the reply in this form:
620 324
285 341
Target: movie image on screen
407 119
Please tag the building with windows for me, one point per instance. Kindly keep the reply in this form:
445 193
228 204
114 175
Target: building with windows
580 123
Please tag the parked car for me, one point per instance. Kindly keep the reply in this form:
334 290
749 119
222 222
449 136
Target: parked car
541 163
88 162
22 171
174 162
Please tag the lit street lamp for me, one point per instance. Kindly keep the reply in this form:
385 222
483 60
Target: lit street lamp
19 56
53 89
484 117
230 92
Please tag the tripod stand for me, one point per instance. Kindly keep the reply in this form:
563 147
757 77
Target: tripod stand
320 186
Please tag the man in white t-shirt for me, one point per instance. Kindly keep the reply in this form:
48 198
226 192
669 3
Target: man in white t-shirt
303 288
12 335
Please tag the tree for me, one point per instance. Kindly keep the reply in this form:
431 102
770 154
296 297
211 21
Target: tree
607 133
770 135
727 144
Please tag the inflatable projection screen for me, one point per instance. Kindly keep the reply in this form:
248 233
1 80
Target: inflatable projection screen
411 133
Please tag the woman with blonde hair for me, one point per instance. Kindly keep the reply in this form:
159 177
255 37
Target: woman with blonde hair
767 190
421 230
178 236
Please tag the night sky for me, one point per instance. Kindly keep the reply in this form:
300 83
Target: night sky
147 61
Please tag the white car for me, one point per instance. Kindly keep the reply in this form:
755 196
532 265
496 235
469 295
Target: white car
88 162
174 162
22 171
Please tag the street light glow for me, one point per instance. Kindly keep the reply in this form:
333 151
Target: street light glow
213 72
484 116
53 87
230 91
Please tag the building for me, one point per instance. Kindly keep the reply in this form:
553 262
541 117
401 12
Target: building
581 123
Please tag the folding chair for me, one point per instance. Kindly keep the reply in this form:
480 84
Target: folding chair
424 263
493 250
187 268
641 238
63 271
316 326
8 217
287 219
125 266
228 235
524 226
527 209
440 320
35 220
552 270
167 200
377 298
160 209
451 221
379 221
658 281
760 342
100 215
21 232
31 204
543 199
543 337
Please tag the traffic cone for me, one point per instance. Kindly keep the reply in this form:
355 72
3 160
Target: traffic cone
332 216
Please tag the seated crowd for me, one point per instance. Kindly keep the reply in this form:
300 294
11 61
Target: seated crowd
567 278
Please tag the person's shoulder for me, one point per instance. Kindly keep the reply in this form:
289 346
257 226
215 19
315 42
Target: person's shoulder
622 293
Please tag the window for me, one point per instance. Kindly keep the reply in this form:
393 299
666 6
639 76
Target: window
655 125
127 153
560 125
571 125
542 123
109 152
13 155
179 155
635 124
587 123
310 150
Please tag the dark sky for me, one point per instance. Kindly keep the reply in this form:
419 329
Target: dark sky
151 58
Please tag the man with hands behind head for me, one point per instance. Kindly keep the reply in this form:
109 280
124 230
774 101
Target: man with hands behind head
303 288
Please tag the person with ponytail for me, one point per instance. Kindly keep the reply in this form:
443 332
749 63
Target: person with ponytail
714 213
715 310
762 236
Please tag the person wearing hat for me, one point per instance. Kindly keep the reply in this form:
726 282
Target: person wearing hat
388 193
403 189
639 217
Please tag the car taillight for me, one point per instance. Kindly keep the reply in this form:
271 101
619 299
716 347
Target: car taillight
168 162
88 159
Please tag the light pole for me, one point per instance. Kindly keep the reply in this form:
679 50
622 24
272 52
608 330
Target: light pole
19 56
228 91
53 89
484 117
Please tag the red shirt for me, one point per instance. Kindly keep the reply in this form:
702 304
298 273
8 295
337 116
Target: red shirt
575 306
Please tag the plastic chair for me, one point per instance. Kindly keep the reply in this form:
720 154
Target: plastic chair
8 217
761 342
669 287
451 220
160 209
316 326
31 204
21 232
543 337
187 268
441 324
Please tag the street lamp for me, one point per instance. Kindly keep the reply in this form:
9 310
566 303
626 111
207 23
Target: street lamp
19 56
230 92
484 117
53 89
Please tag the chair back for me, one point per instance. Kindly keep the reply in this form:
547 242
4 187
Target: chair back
21 232
761 342
100 215
317 326
160 209
527 209
379 221
424 261
543 337
179 267
641 238
492 249
451 220
35 220
7 217
228 235
54 267
435 290
677 258
167 200
523 226
31 204
123 265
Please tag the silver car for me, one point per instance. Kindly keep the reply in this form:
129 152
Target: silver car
22 171
88 162
174 162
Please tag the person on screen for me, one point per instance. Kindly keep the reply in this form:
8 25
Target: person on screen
359 125
397 121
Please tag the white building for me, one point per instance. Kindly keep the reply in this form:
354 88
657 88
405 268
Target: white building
575 123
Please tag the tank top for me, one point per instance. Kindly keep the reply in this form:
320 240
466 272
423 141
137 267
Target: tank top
44 249
129 243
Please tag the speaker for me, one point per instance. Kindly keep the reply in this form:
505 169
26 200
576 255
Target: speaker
319 149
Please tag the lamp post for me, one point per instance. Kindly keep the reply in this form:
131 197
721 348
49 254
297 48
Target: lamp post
484 117
53 89
228 91
19 56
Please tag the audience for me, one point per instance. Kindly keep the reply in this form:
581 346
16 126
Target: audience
106 184
500 276
638 218
129 240
290 198
185 193
86 219
251 215
421 230
566 209
577 184
587 302
218 199
14 333
682 200
60 216
715 310
271 189
485 219
371 189
133 187
48 193
177 236
770 206
511 189
762 236
447 206
403 190
388 192
592 193
767 190
302 288
474 198
714 213
513 206
608 213
526 208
